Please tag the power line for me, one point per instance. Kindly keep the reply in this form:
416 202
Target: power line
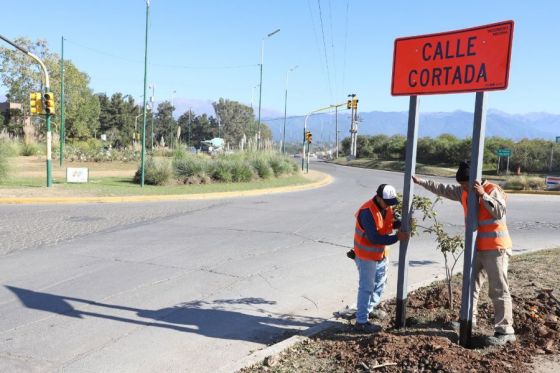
333 49
325 49
345 45
158 64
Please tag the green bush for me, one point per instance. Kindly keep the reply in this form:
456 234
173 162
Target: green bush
241 171
191 166
221 171
30 149
281 165
9 148
262 167
156 172
524 183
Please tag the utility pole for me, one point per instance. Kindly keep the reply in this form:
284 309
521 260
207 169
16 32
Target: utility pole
353 104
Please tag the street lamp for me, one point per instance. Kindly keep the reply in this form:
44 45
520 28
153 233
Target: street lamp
260 85
286 107
144 106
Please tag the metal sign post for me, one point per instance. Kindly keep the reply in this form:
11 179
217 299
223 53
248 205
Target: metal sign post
408 191
477 153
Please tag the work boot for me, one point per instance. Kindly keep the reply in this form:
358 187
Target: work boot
378 314
366 327
499 339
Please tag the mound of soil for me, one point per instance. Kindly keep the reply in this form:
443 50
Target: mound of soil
429 344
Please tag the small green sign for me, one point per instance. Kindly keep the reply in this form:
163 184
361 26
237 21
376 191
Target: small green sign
503 152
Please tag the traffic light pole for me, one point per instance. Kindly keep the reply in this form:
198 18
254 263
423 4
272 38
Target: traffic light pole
48 119
305 131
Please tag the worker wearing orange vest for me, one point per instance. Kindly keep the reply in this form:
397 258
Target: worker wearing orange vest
375 223
493 245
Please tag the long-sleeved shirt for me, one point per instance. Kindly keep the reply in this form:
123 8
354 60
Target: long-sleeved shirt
494 202
368 224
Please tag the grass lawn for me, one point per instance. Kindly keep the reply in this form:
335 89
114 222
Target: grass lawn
28 179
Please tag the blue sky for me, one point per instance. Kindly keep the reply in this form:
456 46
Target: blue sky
208 49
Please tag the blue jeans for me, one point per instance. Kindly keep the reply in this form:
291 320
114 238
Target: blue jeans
372 278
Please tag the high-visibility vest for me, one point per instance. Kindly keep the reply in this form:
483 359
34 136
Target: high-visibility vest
492 233
362 247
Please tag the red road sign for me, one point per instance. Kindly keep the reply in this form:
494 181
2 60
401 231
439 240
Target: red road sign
475 59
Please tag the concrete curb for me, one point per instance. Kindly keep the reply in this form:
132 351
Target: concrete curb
275 349
333 322
325 180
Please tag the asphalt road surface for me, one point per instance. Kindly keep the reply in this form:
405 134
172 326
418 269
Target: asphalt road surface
197 285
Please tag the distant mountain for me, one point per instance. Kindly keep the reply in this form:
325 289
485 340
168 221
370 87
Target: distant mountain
458 123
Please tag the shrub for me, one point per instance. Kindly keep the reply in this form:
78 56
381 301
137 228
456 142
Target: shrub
241 171
281 165
262 167
524 183
221 171
190 166
156 172
179 152
9 148
30 149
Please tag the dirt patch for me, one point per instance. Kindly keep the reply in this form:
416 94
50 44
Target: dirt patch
429 344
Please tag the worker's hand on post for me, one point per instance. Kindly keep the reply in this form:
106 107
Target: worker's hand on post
416 179
478 188
403 236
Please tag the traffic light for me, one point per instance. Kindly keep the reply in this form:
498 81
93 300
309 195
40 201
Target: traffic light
354 103
49 103
35 103
308 137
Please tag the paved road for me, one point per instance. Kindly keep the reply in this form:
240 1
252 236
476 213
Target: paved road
196 285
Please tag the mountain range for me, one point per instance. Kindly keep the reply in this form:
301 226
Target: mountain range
458 123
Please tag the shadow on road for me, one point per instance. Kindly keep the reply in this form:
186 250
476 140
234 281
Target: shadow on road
210 319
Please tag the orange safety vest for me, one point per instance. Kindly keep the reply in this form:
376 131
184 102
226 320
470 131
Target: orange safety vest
492 233
362 247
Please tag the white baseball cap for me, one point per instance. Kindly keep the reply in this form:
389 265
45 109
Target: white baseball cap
388 193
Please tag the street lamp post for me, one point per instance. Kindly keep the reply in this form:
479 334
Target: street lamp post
144 106
286 108
260 85
152 100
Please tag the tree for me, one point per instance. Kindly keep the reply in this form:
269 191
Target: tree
451 246
203 128
117 118
22 76
185 122
166 126
236 120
